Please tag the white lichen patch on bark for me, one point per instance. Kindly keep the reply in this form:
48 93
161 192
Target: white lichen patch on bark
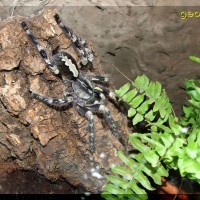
10 92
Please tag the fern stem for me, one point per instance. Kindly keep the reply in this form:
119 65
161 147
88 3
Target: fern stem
122 73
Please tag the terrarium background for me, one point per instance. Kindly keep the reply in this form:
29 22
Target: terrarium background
137 40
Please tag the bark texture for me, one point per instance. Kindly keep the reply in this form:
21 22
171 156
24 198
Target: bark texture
37 137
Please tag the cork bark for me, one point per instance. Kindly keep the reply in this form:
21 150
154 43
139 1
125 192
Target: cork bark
51 142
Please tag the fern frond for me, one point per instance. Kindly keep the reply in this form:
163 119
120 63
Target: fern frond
147 100
170 143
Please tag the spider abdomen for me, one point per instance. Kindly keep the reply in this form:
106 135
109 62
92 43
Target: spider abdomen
66 65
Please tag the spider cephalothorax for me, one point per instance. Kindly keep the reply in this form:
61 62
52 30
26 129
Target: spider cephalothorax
83 91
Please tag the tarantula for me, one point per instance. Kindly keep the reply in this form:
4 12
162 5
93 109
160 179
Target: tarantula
84 92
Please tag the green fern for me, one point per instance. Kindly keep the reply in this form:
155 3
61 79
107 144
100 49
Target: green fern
189 163
146 100
194 59
124 185
166 140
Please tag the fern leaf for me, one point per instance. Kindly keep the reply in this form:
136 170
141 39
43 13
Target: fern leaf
138 144
189 166
138 175
161 149
112 189
148 169
193 136
149 154
187 111
129 162
176 128
138 118
157 90
150 116
108 196
162 112
123 90
126 173
150 90
162 171
137 101
167 139
131 112
194 59
143 108
117 181
129 95
141 82
159 103
192 150
136 189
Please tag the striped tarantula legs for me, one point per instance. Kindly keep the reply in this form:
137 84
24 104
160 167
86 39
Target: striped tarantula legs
40 49
81 45
100 79
84 92
102 90
88 111
54 102
84 51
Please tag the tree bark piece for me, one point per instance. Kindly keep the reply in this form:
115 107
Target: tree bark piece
56 143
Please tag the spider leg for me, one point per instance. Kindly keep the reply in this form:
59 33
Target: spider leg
111 95
54 102
81 45
99 108
110 121
41 50
100 89
101 79
89 116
